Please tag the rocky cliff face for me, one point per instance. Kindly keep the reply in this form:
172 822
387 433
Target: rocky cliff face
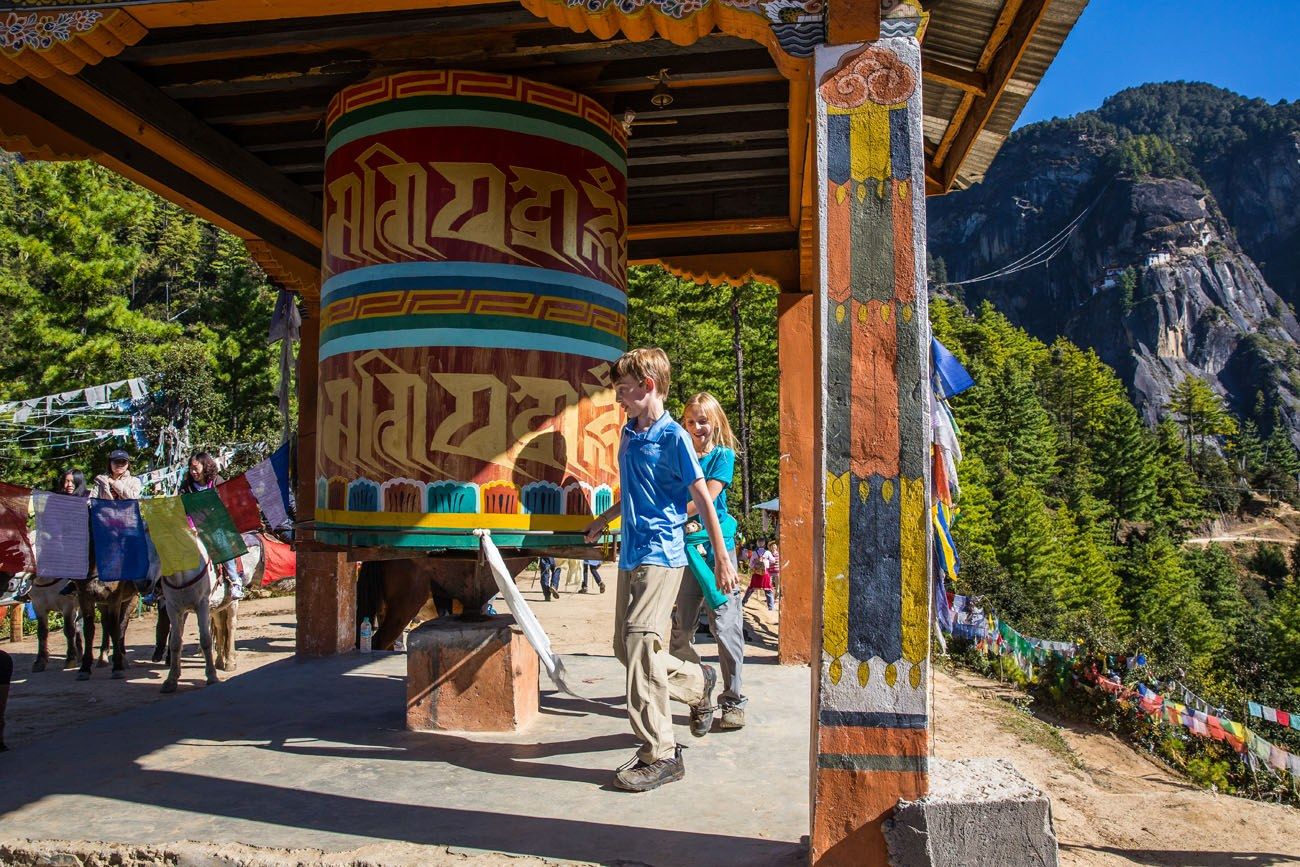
1152 273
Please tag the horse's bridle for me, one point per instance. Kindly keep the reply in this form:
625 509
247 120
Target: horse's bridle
203 571
36 583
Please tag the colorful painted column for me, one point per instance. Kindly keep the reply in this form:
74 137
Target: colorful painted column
473 298
797 359
872 674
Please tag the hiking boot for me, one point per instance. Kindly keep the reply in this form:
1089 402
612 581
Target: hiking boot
639 776
582 589
601 585
702 713
733 717
546 593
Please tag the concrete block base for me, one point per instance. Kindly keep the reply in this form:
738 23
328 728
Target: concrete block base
477 676
978 812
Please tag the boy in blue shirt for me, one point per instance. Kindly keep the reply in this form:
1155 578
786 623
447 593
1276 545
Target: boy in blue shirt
658 474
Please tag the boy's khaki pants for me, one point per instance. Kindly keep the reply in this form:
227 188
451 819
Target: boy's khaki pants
642 625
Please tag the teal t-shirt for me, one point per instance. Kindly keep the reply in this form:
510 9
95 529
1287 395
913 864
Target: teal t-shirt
719 465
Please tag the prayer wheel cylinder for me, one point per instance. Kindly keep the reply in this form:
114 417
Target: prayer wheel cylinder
474 297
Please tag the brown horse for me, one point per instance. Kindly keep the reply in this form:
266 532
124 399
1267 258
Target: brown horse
392 592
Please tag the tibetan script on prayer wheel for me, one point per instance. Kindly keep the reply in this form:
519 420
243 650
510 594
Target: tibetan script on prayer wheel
474 298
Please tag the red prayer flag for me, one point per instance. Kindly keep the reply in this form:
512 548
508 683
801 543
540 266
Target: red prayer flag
1283 718
281 561
16 553
237 496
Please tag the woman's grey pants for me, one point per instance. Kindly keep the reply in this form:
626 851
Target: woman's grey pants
728 627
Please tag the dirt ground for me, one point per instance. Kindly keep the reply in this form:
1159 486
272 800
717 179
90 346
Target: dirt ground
1111 804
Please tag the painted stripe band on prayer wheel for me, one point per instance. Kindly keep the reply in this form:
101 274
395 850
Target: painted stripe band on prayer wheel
474 297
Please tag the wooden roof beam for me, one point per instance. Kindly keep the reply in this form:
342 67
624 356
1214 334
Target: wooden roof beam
954 76
1012 33
708 228
119 98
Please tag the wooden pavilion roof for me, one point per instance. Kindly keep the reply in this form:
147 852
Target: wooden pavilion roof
219 105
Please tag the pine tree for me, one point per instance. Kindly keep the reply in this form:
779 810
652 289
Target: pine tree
1284 633
1164 599
1127 458
1199 412
1032 555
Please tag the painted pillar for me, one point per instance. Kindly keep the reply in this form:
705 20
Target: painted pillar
325 592
870 685
798 364
473 298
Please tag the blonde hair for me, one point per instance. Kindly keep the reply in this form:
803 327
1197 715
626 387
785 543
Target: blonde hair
642 364
712 410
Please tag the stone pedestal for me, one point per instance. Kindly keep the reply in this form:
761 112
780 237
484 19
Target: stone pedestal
978 811
478 676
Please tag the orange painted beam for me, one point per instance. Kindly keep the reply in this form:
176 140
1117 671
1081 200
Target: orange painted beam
796 360
778 268
698 228
154 15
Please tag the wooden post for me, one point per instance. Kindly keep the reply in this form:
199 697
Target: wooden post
16 623
870 729
325 597
797 362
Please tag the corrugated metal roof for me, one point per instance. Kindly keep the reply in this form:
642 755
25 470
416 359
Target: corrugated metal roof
958 34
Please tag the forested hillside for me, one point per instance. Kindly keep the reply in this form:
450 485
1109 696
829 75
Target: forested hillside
1161 230
101 280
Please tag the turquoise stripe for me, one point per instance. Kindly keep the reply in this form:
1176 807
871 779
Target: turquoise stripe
503 120
470 322
485 338
479 274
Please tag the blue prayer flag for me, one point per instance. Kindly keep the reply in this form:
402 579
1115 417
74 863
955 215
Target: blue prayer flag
121 545
952 377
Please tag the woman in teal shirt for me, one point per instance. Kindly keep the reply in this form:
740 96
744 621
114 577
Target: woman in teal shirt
715 447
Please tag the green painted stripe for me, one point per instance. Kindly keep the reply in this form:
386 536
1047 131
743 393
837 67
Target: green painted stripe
476 103
477 338
468 322
403 538
504 121
842 762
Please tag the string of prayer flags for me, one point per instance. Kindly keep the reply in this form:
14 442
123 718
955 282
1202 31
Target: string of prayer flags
16 554
237 496
950 376
121 545
215 528
944 548
165 518
62 543
1273 715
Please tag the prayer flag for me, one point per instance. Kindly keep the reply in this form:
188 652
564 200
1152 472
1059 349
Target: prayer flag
952 378
16 554
216 529
62 535
1269 713
265 487
1277 757
121 546
237 496
280 463
1255 710
177 549
281 561
1283 718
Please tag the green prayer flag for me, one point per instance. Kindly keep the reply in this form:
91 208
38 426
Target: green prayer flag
215 527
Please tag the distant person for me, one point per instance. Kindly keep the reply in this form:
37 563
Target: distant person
715 448
71 482
550 578
775 569
659 474
760 576
589 568
118 483
203 475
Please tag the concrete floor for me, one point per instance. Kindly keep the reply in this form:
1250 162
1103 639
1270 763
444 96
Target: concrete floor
315 755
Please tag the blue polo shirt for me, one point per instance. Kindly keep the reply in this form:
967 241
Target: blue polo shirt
656 469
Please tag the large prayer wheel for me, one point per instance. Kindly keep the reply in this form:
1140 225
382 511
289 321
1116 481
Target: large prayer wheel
473 299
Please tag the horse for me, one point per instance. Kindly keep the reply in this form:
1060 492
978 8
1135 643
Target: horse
202 591
115 601
47 596
391 592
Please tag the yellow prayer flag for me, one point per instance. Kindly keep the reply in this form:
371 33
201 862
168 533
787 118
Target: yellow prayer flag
171 534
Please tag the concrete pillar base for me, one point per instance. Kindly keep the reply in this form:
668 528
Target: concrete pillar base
978 811
478 676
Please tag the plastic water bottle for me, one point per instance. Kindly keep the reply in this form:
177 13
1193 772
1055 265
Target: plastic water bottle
366 632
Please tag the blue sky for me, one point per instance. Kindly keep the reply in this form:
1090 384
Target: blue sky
1250 46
